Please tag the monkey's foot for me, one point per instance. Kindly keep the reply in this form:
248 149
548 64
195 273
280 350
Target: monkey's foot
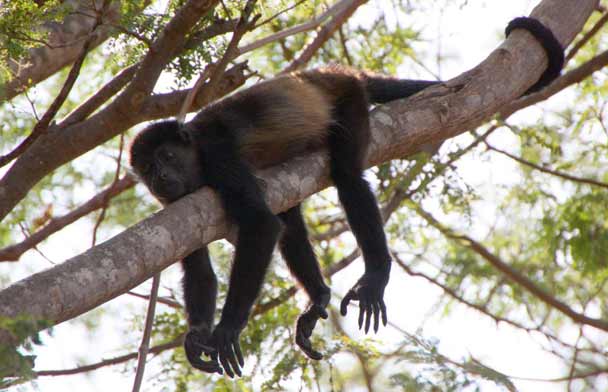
196 344
306 323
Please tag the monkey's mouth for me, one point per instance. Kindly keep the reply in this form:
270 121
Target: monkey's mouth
168 191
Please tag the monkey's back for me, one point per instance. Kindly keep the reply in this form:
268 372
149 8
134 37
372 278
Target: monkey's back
281 117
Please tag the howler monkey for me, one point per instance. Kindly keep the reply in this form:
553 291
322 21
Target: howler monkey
256 128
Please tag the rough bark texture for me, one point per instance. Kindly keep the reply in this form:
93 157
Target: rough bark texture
65 42
399 129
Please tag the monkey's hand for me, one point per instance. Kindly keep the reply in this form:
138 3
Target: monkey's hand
225 340
196 343
306 323
369 291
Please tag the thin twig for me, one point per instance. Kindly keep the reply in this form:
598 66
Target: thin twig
106 201
579 44
214 71
165 301
145 340
13 252
307 26
513 274
543 169
323 35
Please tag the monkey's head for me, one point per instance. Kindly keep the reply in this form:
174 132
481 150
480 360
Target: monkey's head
168 164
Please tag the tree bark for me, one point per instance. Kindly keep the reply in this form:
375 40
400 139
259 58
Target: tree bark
398 129
65 45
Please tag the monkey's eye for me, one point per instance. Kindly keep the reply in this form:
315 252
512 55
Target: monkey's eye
167 155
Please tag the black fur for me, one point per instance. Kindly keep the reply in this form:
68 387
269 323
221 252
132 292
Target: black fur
256 127
555 52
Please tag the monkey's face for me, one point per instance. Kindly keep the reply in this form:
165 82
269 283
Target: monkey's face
173 170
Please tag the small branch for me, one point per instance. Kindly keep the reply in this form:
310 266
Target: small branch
596 27
543 169
164 301
214 71
323 35
145 340
566 80
307 26
13 252
112 361
102 95
513 274
478 307
104 208
42 126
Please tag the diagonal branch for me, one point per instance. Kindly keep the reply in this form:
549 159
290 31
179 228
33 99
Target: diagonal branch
55 150
324 34
66 43
13 252
543 169
513 274
43 125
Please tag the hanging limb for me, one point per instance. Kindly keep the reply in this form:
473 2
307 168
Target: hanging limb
145 340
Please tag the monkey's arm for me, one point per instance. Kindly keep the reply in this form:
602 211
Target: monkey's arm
200 293
258 233
302 263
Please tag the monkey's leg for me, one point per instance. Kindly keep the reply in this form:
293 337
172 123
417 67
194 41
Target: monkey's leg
348 140
259 231
301 261
200 292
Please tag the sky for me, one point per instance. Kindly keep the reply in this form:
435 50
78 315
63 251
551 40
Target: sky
466 35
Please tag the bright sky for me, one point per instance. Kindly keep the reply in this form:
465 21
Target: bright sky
466 42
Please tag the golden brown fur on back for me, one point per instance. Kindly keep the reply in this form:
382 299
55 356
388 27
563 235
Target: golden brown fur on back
298 113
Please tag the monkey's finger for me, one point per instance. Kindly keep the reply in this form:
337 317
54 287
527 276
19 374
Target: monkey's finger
239 353
206 366
376 316
361 311
226 364
383 310
304 343
323 313
205 348
368 315
345 301
232 359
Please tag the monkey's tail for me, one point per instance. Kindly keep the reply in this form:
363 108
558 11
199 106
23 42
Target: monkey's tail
382 89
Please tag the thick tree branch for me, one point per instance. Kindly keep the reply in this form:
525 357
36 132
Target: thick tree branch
399 129
65 44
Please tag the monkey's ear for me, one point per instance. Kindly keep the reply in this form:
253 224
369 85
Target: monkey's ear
184 134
